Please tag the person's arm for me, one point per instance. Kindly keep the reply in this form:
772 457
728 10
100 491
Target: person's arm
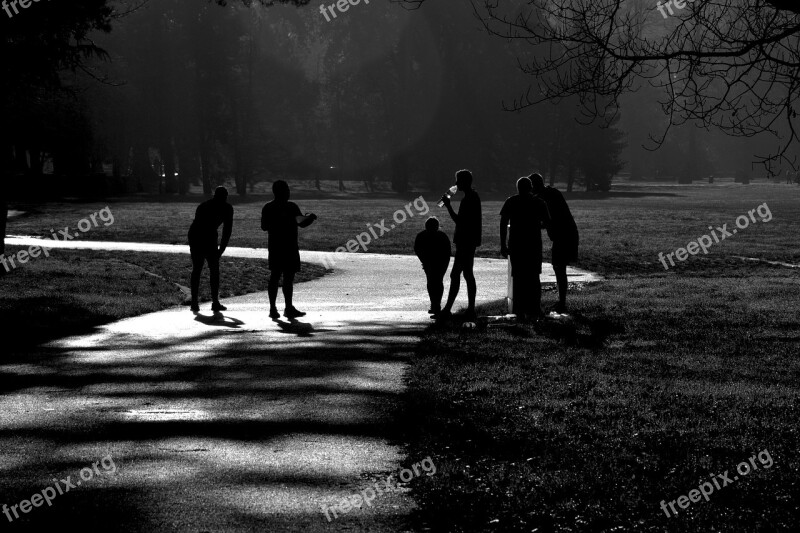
307 222
446 202
227 229
264 219
503 234
547 220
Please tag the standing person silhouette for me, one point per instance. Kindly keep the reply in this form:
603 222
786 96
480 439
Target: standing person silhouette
210 215
433 249
467 237
281 218
527 215
563 232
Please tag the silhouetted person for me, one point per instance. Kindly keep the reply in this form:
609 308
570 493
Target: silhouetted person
527 215
467 238
210 215
562 231
433 249
281 218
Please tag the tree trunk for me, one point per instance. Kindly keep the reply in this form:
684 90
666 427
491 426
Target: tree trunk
168 158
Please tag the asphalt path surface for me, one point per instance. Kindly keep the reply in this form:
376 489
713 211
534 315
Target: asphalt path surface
235 422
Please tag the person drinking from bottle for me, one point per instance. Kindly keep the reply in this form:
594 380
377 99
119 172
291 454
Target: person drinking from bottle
467 238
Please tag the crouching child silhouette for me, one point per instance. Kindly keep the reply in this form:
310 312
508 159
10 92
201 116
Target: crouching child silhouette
433 249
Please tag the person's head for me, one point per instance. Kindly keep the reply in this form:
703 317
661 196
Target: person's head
538 182
464 180
281 190
432 224
221 194
524 185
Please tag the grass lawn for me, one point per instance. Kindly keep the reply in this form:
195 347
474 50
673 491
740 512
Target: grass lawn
72 292
621 232
532 433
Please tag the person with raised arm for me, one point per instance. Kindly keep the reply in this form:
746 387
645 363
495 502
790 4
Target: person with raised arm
281 218
467 238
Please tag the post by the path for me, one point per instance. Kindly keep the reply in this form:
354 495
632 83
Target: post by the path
510 294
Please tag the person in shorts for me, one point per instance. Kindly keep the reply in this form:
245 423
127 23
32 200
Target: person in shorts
208 217
467 238
281 218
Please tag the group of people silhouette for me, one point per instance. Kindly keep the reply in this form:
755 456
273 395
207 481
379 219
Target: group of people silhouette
522 218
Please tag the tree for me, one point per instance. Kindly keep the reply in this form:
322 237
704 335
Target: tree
37 45
725 64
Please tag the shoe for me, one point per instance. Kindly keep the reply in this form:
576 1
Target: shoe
444 315
216 306
559 308
434 311
274 313
293 312
195 307
470 316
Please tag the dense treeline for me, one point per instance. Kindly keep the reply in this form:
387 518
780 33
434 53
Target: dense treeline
194 92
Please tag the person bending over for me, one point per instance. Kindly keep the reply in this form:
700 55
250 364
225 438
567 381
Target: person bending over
563 232
281 218
210 215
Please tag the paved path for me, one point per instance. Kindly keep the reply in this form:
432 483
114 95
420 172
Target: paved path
238 424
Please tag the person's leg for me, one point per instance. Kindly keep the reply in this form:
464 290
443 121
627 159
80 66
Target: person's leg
213 267
288 289
198 260
561 281
455 282
536 296
434 280
272 290
469 278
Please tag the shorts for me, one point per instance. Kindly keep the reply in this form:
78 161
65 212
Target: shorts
464 260
284 261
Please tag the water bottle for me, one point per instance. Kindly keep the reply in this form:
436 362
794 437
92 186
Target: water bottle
450 192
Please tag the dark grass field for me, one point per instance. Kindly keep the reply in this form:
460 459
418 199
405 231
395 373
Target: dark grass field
533 429
72 292
537 429
621 232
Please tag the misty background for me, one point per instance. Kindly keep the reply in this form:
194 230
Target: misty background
192 95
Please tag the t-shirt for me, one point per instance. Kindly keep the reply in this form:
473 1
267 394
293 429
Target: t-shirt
526 214
433 249
563 225
208 217
280 220
470 222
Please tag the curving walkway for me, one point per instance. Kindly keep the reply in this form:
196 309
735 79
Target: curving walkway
232 424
